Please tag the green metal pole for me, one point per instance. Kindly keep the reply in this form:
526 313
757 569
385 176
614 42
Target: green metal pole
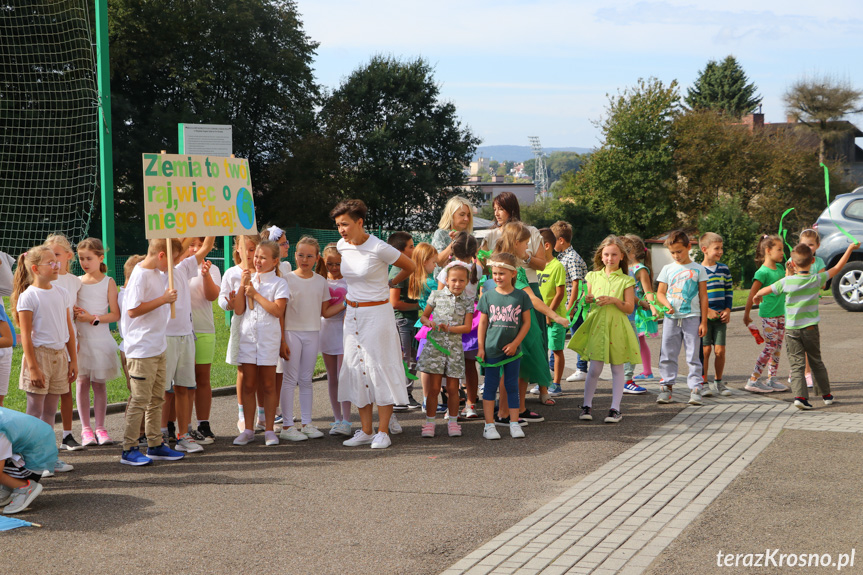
106 158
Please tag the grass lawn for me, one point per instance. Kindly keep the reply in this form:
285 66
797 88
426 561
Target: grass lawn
222 375
740 296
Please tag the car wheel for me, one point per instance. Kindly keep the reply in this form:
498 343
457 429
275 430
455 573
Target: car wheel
847 287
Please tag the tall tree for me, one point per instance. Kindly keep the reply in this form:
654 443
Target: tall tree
723 86
401 149
629 180
247 64
820 103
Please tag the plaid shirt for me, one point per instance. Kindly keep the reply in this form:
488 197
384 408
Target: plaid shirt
575 267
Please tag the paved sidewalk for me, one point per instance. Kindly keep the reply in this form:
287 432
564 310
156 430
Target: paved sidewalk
602 526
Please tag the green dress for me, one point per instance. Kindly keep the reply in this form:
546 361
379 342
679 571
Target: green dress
534 361
606 335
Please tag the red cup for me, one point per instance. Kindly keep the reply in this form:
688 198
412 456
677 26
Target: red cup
756 334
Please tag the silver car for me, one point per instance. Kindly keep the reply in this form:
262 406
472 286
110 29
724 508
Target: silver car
847 211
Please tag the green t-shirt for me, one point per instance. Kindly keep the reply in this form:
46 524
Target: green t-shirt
773 305
413 314
504 318
552 277
801 293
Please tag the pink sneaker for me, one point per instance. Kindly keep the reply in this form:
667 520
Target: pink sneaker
87 437
454 429
428 430
103 437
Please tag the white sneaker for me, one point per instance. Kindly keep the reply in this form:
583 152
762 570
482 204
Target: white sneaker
241 425
359 438
395 426
577 376
5 495
344 428
490 432
534 390
22 497
757 387
311 431
515 431
260 426
270 438
293 434
334 428
775 385
695 396
245 438
189 445
381 440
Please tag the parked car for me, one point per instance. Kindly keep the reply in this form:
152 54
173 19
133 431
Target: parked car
847 211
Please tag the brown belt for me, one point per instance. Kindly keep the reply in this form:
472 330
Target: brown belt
365 303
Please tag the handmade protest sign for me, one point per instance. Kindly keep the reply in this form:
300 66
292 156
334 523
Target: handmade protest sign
187 195
191 196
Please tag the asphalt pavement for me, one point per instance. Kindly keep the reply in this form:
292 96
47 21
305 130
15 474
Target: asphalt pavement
421 505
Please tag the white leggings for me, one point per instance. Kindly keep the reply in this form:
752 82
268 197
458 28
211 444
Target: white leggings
617 383
299 370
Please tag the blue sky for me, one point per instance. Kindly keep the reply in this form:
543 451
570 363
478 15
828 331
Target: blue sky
519 68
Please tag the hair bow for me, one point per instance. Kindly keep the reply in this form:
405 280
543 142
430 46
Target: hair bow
275 232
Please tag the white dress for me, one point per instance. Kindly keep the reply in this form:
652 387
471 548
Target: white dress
372 370
260 334
97 350
231 282
331 327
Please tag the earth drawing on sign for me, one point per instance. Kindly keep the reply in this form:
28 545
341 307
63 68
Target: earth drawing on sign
245 208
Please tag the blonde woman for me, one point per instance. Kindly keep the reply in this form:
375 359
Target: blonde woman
457 217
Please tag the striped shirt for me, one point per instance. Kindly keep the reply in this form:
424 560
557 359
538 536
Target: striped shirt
801 298
720 290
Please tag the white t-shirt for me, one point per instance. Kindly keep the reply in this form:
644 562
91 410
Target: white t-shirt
71 283
181 323
285 268
202 309
303 312
365 268
470 289
535 246
50 309
230 282
144 336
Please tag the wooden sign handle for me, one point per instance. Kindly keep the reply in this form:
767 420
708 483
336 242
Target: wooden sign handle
170 252
245 261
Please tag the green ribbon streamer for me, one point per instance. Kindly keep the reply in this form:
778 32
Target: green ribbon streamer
827 190
580 306
483 254
408 373
656 303
500 363
783 232
436 345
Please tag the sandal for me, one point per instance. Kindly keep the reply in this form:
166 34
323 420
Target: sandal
546 400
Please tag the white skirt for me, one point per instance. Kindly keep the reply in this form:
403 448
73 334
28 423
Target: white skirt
332 342
372 369
98 359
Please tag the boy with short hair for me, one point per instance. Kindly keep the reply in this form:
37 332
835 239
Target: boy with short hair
552 287
683 289
406 311
147 302
802 336
720 297
576 269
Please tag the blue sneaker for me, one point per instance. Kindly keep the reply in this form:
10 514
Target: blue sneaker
442 408
644 377
279 420
555 391
134 457
633 388
164 453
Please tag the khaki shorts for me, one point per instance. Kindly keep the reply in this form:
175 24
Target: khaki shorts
180 362
55 369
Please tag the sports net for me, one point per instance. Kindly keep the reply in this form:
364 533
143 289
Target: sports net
49 104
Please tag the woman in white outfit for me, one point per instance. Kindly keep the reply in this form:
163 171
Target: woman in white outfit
372 370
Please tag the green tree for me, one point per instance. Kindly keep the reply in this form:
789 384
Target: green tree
493 166
820 104
401 149
588 230
247 64
530 168
764 171
508 165
500 171
629 180
723 86
739 233
561 162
